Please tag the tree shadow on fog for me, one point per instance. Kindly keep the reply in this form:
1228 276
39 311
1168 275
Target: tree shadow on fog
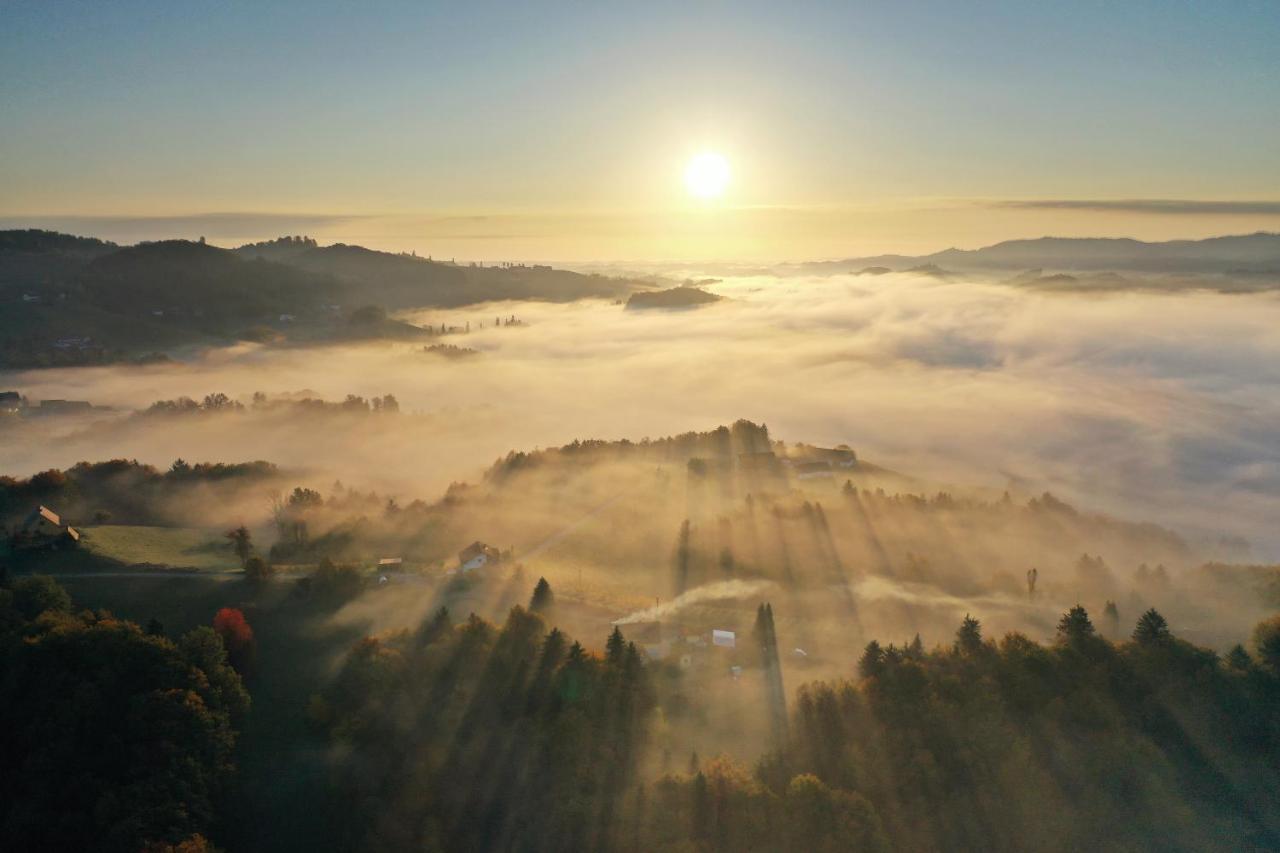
836 573
883 564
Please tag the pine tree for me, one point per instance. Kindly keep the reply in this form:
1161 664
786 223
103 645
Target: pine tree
969 636
872 662
1239 659
701 828
1075 626
435 628
615 647
542 597
682 557
1151 629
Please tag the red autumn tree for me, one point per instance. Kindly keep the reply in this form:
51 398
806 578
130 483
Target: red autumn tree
237 637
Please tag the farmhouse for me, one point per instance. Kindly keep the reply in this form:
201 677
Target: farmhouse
812 470
43 529
840 456
650 638
476 555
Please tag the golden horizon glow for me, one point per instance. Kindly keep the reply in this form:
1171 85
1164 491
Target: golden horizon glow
707 175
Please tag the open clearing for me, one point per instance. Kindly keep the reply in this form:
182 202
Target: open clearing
204 549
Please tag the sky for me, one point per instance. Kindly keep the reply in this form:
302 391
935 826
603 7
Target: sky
560 131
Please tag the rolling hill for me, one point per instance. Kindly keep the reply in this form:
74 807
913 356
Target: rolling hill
78 300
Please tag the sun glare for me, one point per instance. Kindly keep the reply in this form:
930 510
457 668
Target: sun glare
707 175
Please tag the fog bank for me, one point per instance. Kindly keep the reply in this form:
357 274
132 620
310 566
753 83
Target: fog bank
1156 407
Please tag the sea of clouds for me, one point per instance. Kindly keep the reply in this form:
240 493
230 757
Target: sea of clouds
1155 406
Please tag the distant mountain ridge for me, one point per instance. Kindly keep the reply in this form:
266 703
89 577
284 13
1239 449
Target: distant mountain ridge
1245 253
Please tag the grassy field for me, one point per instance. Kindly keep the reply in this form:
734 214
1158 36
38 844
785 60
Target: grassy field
171 547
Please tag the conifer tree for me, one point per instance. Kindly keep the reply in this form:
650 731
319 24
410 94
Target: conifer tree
872 662
1151 629
1075 626
542 598
969 636
436 627
615 647
1238 658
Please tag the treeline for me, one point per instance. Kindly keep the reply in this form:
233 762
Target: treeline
260 402
24 351
113 738
722 442
354 525
197 286
126 491
168 293
471 737
1152 744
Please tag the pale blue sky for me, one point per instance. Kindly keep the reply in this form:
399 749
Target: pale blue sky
555 110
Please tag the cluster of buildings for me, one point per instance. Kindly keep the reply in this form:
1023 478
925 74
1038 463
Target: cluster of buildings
12 403
477 555
685 646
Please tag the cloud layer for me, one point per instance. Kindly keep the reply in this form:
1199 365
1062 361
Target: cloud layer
1158 407
1149 205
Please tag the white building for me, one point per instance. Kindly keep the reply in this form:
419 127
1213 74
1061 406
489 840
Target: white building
477 555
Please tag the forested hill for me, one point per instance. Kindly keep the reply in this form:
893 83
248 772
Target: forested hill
34 240
407 281
208 286
295 270
77 300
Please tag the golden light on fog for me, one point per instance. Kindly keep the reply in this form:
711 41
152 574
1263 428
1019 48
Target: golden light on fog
707 175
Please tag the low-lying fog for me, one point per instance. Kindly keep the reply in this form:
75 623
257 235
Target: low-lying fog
1154 407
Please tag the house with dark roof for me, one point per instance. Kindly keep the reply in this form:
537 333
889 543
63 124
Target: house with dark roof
476 555
840 456
812 470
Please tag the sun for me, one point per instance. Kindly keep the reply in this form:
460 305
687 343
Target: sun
707 175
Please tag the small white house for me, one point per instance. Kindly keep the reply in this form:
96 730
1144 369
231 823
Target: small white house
476 555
